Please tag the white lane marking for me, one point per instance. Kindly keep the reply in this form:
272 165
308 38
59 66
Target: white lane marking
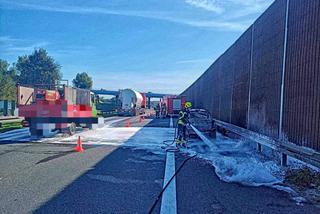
171 122
169 197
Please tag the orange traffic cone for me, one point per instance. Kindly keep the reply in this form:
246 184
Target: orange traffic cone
128 123
79 146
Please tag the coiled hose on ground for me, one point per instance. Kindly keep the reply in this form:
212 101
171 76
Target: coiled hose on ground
170 144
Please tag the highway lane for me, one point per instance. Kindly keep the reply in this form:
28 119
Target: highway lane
52 178
45 178
199 190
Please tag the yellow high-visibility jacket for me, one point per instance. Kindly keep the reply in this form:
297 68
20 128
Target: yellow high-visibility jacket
182 118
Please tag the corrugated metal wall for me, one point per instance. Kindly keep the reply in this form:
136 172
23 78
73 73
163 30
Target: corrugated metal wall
302 76
216 89
226 80
268 41
241 70
248 76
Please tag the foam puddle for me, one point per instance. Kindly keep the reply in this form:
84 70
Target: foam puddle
102 136
235 161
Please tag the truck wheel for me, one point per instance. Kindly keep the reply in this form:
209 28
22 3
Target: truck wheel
72 128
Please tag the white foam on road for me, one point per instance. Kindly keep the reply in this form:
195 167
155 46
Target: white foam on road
102 136
169 197
24 133
235 161
148 138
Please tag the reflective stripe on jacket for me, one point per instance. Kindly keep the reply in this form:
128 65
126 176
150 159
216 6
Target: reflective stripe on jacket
182 119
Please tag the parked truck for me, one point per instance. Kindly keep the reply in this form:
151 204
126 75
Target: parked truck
174 104
132 102
61 109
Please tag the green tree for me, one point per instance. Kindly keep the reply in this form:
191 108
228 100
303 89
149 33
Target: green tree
38 68
82 80
7 81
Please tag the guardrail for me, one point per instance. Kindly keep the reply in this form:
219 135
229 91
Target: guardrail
285 148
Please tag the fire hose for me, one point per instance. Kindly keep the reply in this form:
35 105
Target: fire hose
170 148
165 187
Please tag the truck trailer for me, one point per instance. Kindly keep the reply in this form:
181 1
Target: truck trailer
132 102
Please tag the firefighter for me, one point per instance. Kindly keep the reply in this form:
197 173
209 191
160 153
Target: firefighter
158 110
182 122
163 110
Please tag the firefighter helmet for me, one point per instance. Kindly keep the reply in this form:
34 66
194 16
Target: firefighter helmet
188 105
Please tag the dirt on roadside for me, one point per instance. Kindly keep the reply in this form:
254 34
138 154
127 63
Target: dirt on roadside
306 182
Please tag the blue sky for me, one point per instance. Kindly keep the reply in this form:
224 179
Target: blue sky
149 45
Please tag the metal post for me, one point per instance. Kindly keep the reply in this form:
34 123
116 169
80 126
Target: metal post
259 147
230 115
284 159
280 136
250 72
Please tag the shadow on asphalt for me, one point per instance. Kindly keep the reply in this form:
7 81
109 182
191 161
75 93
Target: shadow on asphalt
122 182
6 142
53 157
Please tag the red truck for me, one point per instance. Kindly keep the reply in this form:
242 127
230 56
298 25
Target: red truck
174 104
61 109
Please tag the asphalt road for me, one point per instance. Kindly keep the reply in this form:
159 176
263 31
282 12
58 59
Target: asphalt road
199 190
45 178
52 178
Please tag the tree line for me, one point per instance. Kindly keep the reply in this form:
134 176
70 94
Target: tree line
36 69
